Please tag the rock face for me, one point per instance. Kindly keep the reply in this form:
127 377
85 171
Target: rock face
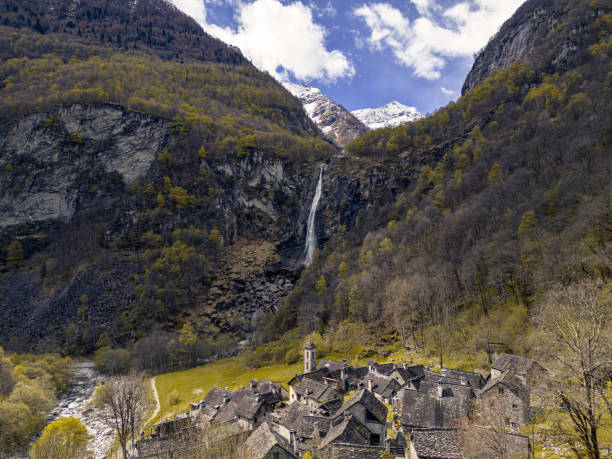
527 37
68 192
336 123
50 154
391 115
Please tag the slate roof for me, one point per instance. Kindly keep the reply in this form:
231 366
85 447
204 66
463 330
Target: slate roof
331 365
316 375
424 408
262 440
303 420
224 405
410 373
476 380
444 378
332 406
215 396
383 369
371 403
437 443
509 381
347 451
517 364
345 429
385 386
315 390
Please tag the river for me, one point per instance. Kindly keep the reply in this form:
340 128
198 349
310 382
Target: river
74 402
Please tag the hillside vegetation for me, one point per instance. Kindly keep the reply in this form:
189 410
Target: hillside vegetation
518 203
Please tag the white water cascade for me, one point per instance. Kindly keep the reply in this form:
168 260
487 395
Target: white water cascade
311 238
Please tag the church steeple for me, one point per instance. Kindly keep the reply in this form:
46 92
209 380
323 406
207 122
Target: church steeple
310 357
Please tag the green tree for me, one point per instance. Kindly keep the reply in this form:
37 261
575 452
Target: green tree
495 173
188 338
66 438
321 286
15 255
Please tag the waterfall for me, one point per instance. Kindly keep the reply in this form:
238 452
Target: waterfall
311 238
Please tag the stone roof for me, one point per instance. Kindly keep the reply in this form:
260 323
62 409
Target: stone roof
348 451
331 365
383 385
424 408
262 440
410 373
507 380
517 364
369 401
309 345
316 375
315 390
382 368
216 396
224 405
345 429
332 406
476 380
303 420
436 443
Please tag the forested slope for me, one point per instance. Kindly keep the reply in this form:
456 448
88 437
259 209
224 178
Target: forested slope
514 201
134 147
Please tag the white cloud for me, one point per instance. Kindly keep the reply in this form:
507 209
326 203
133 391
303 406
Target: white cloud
193 8
278 38
448 92
437 34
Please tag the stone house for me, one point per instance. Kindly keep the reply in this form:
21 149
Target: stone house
524 368
435 404
265 443
302 426
247 407
437 443
384 388
313 393
507 393
365 409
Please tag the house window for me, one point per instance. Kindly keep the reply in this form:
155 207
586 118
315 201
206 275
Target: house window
275 455
375 440
515 406
500 390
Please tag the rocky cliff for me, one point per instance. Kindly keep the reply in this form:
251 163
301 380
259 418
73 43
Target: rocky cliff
337 124
549 34
73 193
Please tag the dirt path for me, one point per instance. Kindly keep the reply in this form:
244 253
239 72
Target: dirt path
157 405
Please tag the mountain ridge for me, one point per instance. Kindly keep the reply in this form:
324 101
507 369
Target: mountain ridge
336 123
389 115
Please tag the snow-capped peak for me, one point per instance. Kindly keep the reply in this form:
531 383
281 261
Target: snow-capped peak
336 123
390 115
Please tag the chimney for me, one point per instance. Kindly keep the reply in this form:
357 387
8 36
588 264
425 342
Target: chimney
370 385
440 390
225 399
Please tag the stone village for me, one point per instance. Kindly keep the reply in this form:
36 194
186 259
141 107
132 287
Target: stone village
334 410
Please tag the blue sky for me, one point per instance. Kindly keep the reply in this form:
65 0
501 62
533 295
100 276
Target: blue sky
360 53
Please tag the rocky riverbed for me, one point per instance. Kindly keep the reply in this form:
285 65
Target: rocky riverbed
74 402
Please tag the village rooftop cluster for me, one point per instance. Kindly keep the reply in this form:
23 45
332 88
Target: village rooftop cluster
379 410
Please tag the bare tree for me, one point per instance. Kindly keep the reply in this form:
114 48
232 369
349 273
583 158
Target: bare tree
576 322
122 405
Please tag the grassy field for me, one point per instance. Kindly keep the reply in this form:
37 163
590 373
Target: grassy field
192 385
